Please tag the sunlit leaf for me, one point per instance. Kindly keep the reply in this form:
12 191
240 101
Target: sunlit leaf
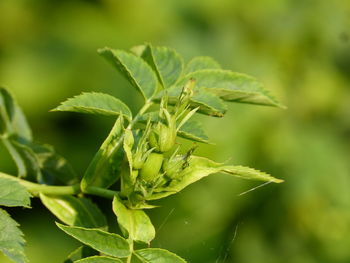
80 253
11 238
99 259
108 243
156 255
136 223
199 63
134 69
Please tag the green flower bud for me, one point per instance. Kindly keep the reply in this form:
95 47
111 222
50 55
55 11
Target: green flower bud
173 166
150 169
163 137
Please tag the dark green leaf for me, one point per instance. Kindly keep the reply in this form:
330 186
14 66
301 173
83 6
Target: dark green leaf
135 222
231 86
199 63
11 238
108 243
95 103
80 253
166 62
13 193
99 259
193 130
156 255
104 169
134 69
12 119
75 211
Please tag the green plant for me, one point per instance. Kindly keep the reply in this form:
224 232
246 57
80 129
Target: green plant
137 163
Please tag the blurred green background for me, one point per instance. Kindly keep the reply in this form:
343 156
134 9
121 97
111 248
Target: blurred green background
299 49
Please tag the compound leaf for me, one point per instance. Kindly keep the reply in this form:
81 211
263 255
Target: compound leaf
99 259
135 222
75 211
108 243
11 238
166 62
12 193
156 255
134 69
199 63
95 103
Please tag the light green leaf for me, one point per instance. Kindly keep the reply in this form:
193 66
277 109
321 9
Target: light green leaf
99 259
231 86
95 103
156 255
75 211
12 119
134 69
80 253
11 238
166 62
108 243
199 63
104 169
136 223
199 167
13 193
193 130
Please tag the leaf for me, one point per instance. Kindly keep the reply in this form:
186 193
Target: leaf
75 211
95 103
200 63
12 193
11 238
12 119
99 259
231 86
80 253
136 223
134 69
108 243
156 255
207 102
199 167
166 62
104 169
193 130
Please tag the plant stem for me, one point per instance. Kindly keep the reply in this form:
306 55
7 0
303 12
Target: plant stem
131 242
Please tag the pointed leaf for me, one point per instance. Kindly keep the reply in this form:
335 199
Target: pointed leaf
80 253
108 243
134 69
199 167
231 86
12 119
104 169
75 211
95 103
99 259
193 130
166 62
12 193
11 238
135 222
156 255
199 63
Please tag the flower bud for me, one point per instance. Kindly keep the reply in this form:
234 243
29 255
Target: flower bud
163 137
150 169
173 166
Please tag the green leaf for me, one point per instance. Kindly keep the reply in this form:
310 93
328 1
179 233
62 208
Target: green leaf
12 119
156 255
199 167
80 253
11 238
193 130
207 102
99 259
231 86
104 169
108 243
95 103
200 63
136 223
12 193
134 69
166 62
75 211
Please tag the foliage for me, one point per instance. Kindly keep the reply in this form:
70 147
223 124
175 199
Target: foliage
138 162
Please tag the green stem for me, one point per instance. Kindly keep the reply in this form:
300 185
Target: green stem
131 242
100 192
